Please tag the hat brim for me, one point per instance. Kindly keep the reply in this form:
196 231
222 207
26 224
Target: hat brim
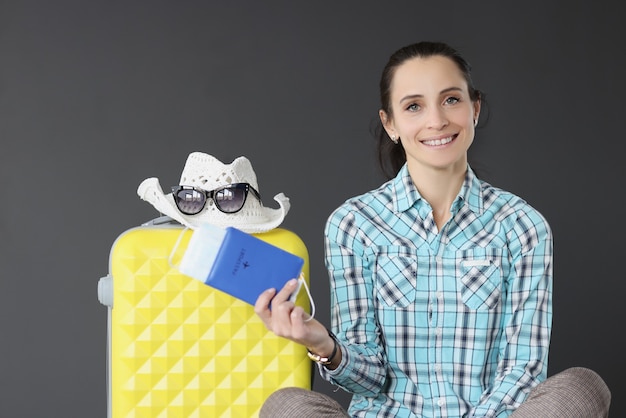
253 218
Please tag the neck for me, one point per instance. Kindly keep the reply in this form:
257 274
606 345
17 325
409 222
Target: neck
439 187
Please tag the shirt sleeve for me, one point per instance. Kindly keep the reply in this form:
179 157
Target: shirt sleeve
362 369
527 317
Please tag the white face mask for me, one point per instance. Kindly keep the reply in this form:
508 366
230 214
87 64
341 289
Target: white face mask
200 254
199 258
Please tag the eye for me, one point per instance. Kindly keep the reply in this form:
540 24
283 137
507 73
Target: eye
413 107
452 100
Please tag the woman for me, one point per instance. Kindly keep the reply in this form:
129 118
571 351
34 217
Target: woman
441 284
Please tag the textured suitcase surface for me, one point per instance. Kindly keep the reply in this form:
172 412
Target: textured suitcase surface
179 348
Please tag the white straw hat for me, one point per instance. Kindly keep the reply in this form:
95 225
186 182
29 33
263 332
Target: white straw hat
206 172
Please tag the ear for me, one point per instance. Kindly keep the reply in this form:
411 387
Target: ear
476 109
386 122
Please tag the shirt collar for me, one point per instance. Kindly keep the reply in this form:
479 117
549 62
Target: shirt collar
407 195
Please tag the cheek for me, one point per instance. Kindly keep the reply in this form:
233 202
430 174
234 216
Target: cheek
466 120
469 140
410 125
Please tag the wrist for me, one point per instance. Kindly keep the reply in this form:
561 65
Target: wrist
326 354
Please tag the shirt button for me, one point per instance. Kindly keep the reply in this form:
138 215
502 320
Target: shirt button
441 402
437 331
439 295
437 367
439 259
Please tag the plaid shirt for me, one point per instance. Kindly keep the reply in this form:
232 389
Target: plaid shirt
450 323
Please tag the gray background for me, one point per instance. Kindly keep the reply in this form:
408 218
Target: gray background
96 96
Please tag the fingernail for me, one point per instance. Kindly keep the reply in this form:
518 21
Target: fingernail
292 282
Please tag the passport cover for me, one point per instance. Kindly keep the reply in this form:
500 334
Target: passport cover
245 266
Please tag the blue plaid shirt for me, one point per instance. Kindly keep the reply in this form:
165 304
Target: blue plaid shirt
450 323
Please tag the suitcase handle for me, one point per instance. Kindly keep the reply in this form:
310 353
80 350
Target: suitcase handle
161 220
105 290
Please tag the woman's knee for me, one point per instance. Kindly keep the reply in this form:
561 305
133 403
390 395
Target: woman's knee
584 380
302 403
574 392
589 384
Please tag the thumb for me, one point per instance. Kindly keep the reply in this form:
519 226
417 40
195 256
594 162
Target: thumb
299 318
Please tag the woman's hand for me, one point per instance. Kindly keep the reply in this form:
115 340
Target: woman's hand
287 320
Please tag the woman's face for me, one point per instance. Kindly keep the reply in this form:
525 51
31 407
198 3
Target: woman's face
432 113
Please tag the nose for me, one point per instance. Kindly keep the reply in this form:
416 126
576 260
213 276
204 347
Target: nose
437 118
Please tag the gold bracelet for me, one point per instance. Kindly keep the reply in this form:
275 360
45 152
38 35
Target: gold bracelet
324 360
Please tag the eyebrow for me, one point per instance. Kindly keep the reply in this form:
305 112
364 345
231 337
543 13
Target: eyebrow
418 96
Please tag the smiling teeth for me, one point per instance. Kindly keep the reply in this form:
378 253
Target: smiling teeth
443 141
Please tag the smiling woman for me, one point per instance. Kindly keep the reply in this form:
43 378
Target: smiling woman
392 158
441 284
428 114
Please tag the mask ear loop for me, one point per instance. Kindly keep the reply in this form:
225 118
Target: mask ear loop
308 292
176 245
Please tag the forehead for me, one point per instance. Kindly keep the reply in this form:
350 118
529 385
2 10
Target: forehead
426 76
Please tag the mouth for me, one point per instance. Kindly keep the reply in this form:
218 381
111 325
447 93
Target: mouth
437 142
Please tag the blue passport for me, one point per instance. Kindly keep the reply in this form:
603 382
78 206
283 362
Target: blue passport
239 263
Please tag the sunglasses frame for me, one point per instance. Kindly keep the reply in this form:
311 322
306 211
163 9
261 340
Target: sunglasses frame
210 194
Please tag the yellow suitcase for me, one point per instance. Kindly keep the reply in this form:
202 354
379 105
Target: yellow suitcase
179 348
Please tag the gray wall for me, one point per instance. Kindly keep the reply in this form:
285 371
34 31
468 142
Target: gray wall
96 96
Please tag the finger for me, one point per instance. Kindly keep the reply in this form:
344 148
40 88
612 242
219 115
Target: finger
281 308
307 331
262 306
285 292
298 318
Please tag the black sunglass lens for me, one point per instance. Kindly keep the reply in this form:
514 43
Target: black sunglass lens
189 201
230 199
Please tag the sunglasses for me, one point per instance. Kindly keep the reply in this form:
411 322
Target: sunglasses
228 199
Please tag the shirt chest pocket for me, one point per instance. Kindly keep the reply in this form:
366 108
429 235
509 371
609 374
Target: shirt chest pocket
395 277
480 283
